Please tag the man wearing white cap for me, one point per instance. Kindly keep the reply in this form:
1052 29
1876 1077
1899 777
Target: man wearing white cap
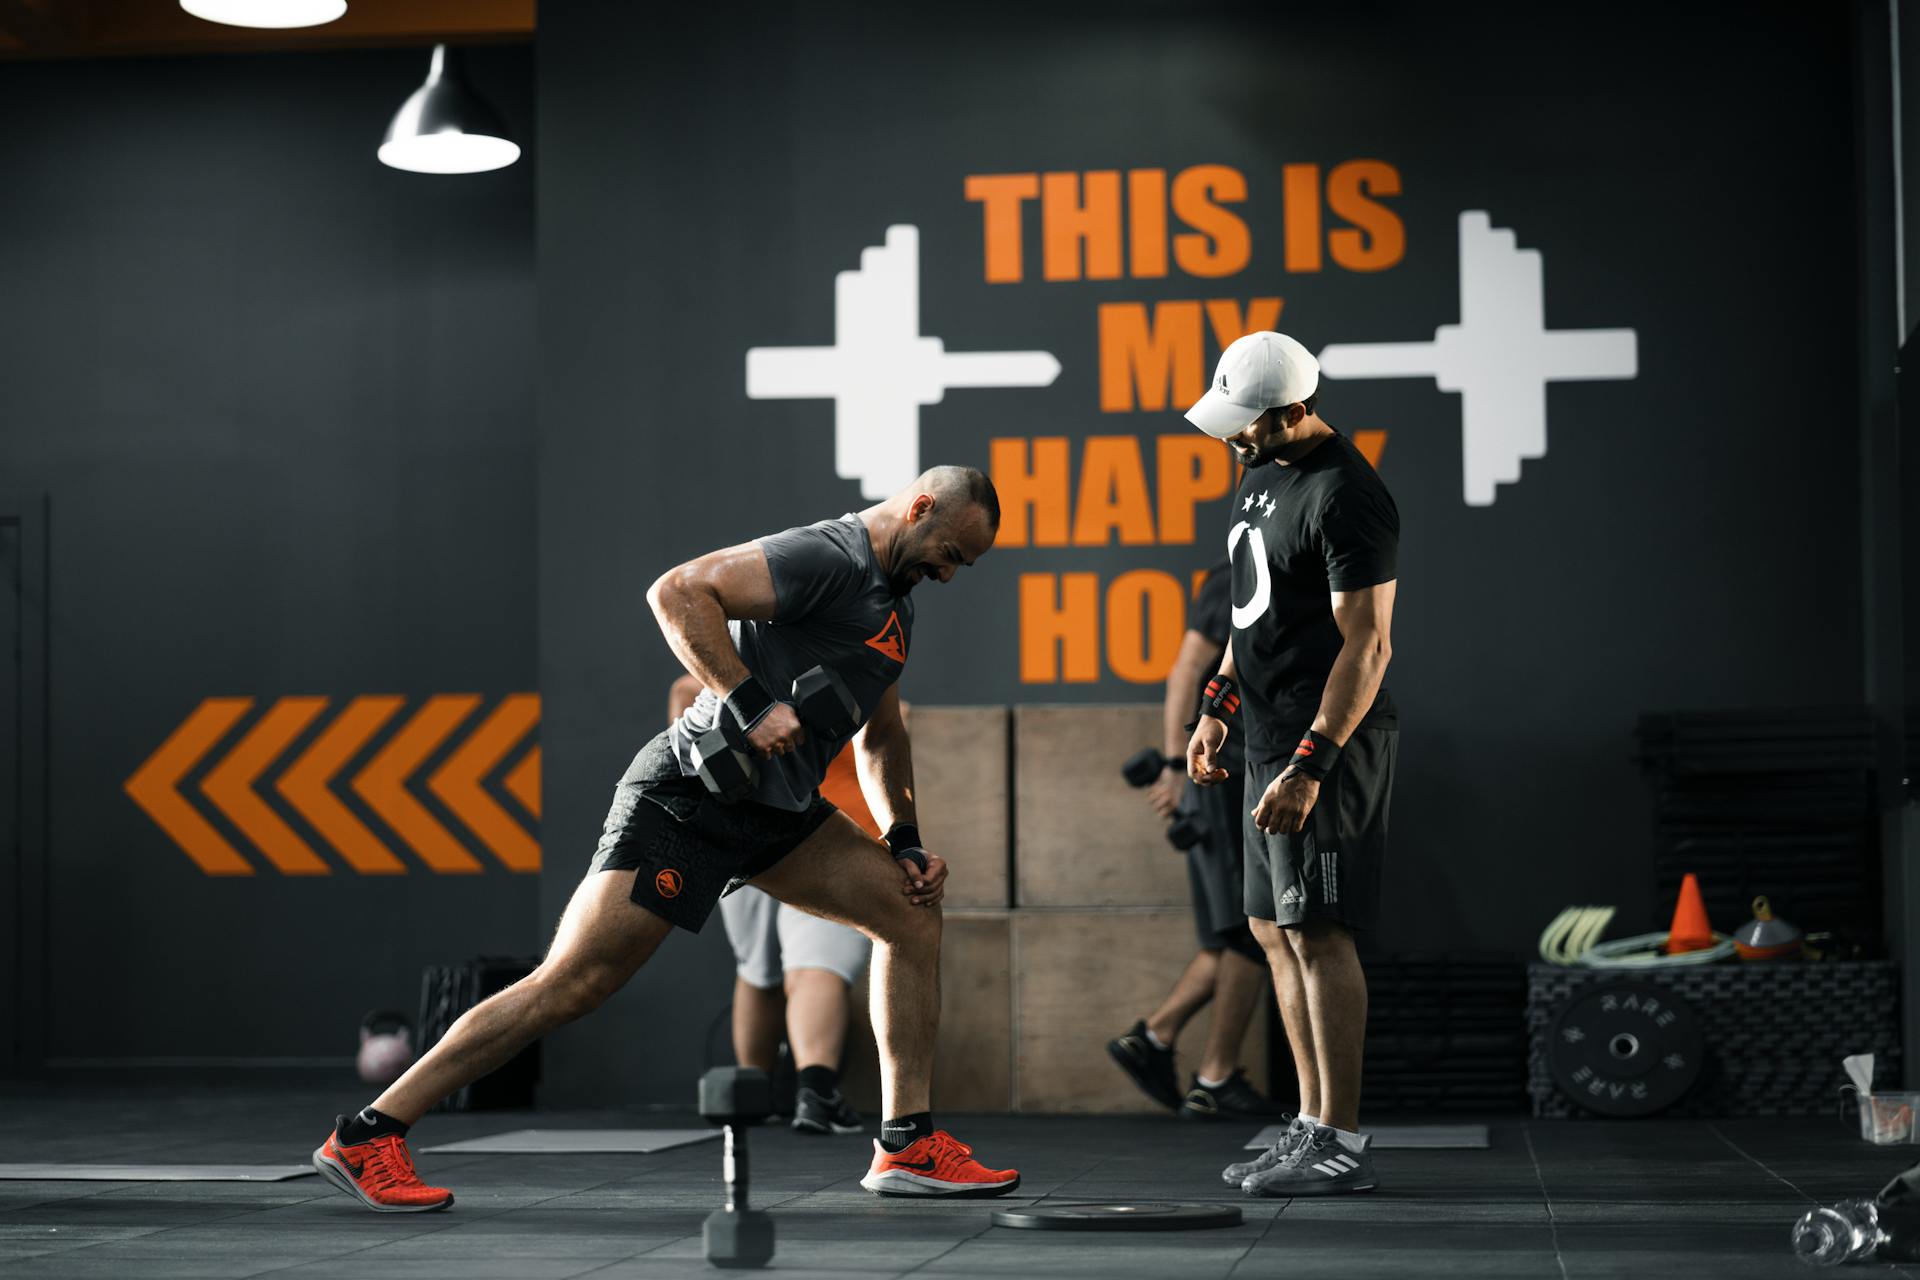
1314 545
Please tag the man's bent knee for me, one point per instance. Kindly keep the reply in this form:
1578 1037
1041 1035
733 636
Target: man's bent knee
908 926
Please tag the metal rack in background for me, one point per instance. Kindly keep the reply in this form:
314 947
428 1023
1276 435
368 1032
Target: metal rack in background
1445 1032
1774 802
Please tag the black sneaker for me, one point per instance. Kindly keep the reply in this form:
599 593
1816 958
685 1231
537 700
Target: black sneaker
831 1114
1232 1099
1149 1067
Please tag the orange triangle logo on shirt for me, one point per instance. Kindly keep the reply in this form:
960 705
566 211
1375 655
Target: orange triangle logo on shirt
891 640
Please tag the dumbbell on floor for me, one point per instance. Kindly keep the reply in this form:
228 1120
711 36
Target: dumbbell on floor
825 706
738 1098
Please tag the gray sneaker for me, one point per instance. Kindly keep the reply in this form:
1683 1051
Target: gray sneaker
1318 1165
1294 1134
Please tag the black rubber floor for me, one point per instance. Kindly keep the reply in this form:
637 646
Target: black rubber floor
1550 1199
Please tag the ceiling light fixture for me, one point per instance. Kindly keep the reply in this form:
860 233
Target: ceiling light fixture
277 14
445 127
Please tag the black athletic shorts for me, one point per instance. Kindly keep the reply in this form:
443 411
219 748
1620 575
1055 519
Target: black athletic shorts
1331 869
1215 870
688 847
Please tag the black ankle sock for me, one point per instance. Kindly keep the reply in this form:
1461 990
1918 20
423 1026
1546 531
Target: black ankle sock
898 1135
368 1125
824 1081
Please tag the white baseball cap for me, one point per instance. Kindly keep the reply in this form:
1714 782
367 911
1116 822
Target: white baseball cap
1256 373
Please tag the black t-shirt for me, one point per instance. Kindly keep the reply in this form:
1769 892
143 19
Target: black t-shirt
1212 611
1301 532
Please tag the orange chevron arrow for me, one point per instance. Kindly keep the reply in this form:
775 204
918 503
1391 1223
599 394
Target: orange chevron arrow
524 782
153 786
305 784
383 783
230 787
457 782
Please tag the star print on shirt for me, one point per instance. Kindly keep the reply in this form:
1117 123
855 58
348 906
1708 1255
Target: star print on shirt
1248 504
1270 505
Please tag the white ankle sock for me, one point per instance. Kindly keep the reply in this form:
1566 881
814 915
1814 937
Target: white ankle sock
1351 1141
1309 1121
1156 1041
1209 1084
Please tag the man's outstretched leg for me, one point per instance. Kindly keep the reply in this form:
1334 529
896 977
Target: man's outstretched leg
843 874
603 939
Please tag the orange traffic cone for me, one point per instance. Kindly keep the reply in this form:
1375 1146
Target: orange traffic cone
1690 931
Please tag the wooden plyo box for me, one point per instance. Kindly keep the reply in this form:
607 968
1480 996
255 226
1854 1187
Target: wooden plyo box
1082 977
1083 837
962 794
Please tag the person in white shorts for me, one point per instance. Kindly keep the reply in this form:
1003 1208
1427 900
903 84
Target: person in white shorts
795 969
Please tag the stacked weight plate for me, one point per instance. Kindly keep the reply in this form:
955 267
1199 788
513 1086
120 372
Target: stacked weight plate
1766 802
1775 1031
1444 1033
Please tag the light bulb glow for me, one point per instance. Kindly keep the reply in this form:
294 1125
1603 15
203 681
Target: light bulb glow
274 14
449 153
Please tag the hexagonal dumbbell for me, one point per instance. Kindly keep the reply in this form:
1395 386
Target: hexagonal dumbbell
1141 770
825 706
738 1098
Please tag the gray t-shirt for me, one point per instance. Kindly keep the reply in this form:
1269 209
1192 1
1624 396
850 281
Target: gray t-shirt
833 607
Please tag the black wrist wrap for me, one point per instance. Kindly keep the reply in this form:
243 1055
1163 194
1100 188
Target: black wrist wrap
1316 755
903 838
1221 700
747 705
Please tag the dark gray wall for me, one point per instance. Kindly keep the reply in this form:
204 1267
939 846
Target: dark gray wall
1689 540
281 398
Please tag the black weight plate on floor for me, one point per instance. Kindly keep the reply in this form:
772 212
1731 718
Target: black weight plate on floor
1625 1048
1118 1217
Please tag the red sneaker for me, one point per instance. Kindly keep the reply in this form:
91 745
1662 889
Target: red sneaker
379 1174
937 1165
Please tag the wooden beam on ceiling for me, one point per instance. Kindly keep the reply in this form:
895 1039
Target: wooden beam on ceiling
147 28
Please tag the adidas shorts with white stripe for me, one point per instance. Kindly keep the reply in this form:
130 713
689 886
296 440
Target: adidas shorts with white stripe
1331 869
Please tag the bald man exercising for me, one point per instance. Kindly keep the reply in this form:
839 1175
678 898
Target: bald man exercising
750 619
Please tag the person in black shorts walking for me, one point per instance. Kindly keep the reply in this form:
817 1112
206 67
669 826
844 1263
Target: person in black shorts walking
1314 547
750 619
1228 971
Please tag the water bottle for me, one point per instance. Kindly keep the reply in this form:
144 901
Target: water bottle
1858 1230
1844 1232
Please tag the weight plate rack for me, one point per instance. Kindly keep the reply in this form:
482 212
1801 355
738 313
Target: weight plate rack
1444 1033
1779 803
1774 1032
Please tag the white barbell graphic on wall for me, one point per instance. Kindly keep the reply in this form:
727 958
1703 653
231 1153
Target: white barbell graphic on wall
1500 357
880 370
